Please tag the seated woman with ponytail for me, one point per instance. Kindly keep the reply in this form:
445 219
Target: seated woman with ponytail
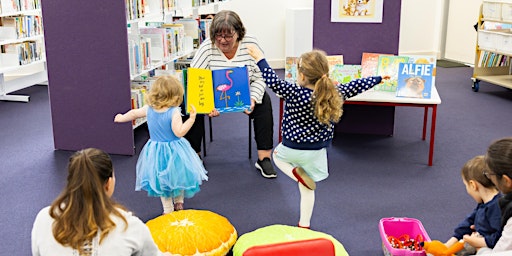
85 220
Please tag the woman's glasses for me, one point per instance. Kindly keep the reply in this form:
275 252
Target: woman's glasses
226 37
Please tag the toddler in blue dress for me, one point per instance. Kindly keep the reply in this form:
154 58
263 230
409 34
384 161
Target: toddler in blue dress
167 167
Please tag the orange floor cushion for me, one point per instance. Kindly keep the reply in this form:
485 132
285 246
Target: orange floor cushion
193 232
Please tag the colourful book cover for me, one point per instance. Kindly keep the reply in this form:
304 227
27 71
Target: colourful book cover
345 73
424 59
226 90
388 66
415 80
290 69
369 63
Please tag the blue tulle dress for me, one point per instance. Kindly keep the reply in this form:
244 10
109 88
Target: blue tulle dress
167 164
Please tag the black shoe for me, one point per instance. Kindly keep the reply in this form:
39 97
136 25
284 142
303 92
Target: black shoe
266 168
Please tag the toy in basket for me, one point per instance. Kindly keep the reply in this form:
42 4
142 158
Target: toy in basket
402 236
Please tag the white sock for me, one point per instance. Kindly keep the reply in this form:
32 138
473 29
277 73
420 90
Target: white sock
307 203
167 204
179 199
307 196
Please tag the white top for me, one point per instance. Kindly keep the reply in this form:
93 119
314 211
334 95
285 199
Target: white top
135 240
504 244
208 56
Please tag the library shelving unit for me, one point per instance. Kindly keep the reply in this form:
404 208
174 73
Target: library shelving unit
494 44
88 59
22 61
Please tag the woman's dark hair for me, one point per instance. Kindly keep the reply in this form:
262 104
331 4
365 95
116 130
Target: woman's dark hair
227 21
499 157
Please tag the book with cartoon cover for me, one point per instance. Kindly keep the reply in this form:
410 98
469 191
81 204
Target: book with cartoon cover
388 66
345 73
415 80
369 63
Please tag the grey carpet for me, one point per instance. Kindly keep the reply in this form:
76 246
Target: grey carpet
372 177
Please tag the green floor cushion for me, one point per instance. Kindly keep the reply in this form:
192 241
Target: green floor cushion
279 234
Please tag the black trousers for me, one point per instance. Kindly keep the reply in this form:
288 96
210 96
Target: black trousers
263 123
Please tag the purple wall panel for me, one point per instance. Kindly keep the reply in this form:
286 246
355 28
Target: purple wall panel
351 40
88 74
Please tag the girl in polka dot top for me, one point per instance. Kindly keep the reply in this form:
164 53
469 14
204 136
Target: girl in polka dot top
312 106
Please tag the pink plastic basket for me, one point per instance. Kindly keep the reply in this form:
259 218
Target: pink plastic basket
397 227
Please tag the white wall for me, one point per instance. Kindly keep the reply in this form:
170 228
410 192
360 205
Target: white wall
422 26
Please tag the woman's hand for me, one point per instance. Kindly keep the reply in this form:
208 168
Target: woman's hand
255 52
214 113
249 111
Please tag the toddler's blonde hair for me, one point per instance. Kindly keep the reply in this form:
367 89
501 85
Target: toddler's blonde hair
165 92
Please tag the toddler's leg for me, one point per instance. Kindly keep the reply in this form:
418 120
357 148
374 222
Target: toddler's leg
307 203
295 173
167 204
178 202
307 196
285 167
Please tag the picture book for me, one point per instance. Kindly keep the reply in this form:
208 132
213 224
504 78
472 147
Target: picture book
333 60
290 69
415 80
226 90
388 66
369 63
424 59
291 66
345 73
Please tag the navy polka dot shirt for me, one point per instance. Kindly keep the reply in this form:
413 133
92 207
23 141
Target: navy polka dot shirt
300 128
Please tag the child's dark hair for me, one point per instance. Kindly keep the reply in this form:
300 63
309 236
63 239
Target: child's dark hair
326 99
474 170
499 157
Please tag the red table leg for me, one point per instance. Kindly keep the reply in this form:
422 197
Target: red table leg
432 135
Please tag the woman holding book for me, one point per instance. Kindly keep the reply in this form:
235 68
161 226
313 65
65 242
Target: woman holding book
227 47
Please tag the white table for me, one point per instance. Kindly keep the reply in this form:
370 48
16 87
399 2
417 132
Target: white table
379 98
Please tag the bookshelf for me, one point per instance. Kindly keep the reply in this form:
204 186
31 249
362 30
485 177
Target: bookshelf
22 60
494 44
88 54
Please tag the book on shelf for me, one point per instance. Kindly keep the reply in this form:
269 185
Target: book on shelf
492 59
159 43
204 27
343 73
226 90
175 34
388 66
369 63
415 80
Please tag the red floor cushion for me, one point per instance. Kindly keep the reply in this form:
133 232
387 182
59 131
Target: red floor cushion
278 236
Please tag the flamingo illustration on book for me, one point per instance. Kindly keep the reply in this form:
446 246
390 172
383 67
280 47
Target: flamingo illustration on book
223 88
